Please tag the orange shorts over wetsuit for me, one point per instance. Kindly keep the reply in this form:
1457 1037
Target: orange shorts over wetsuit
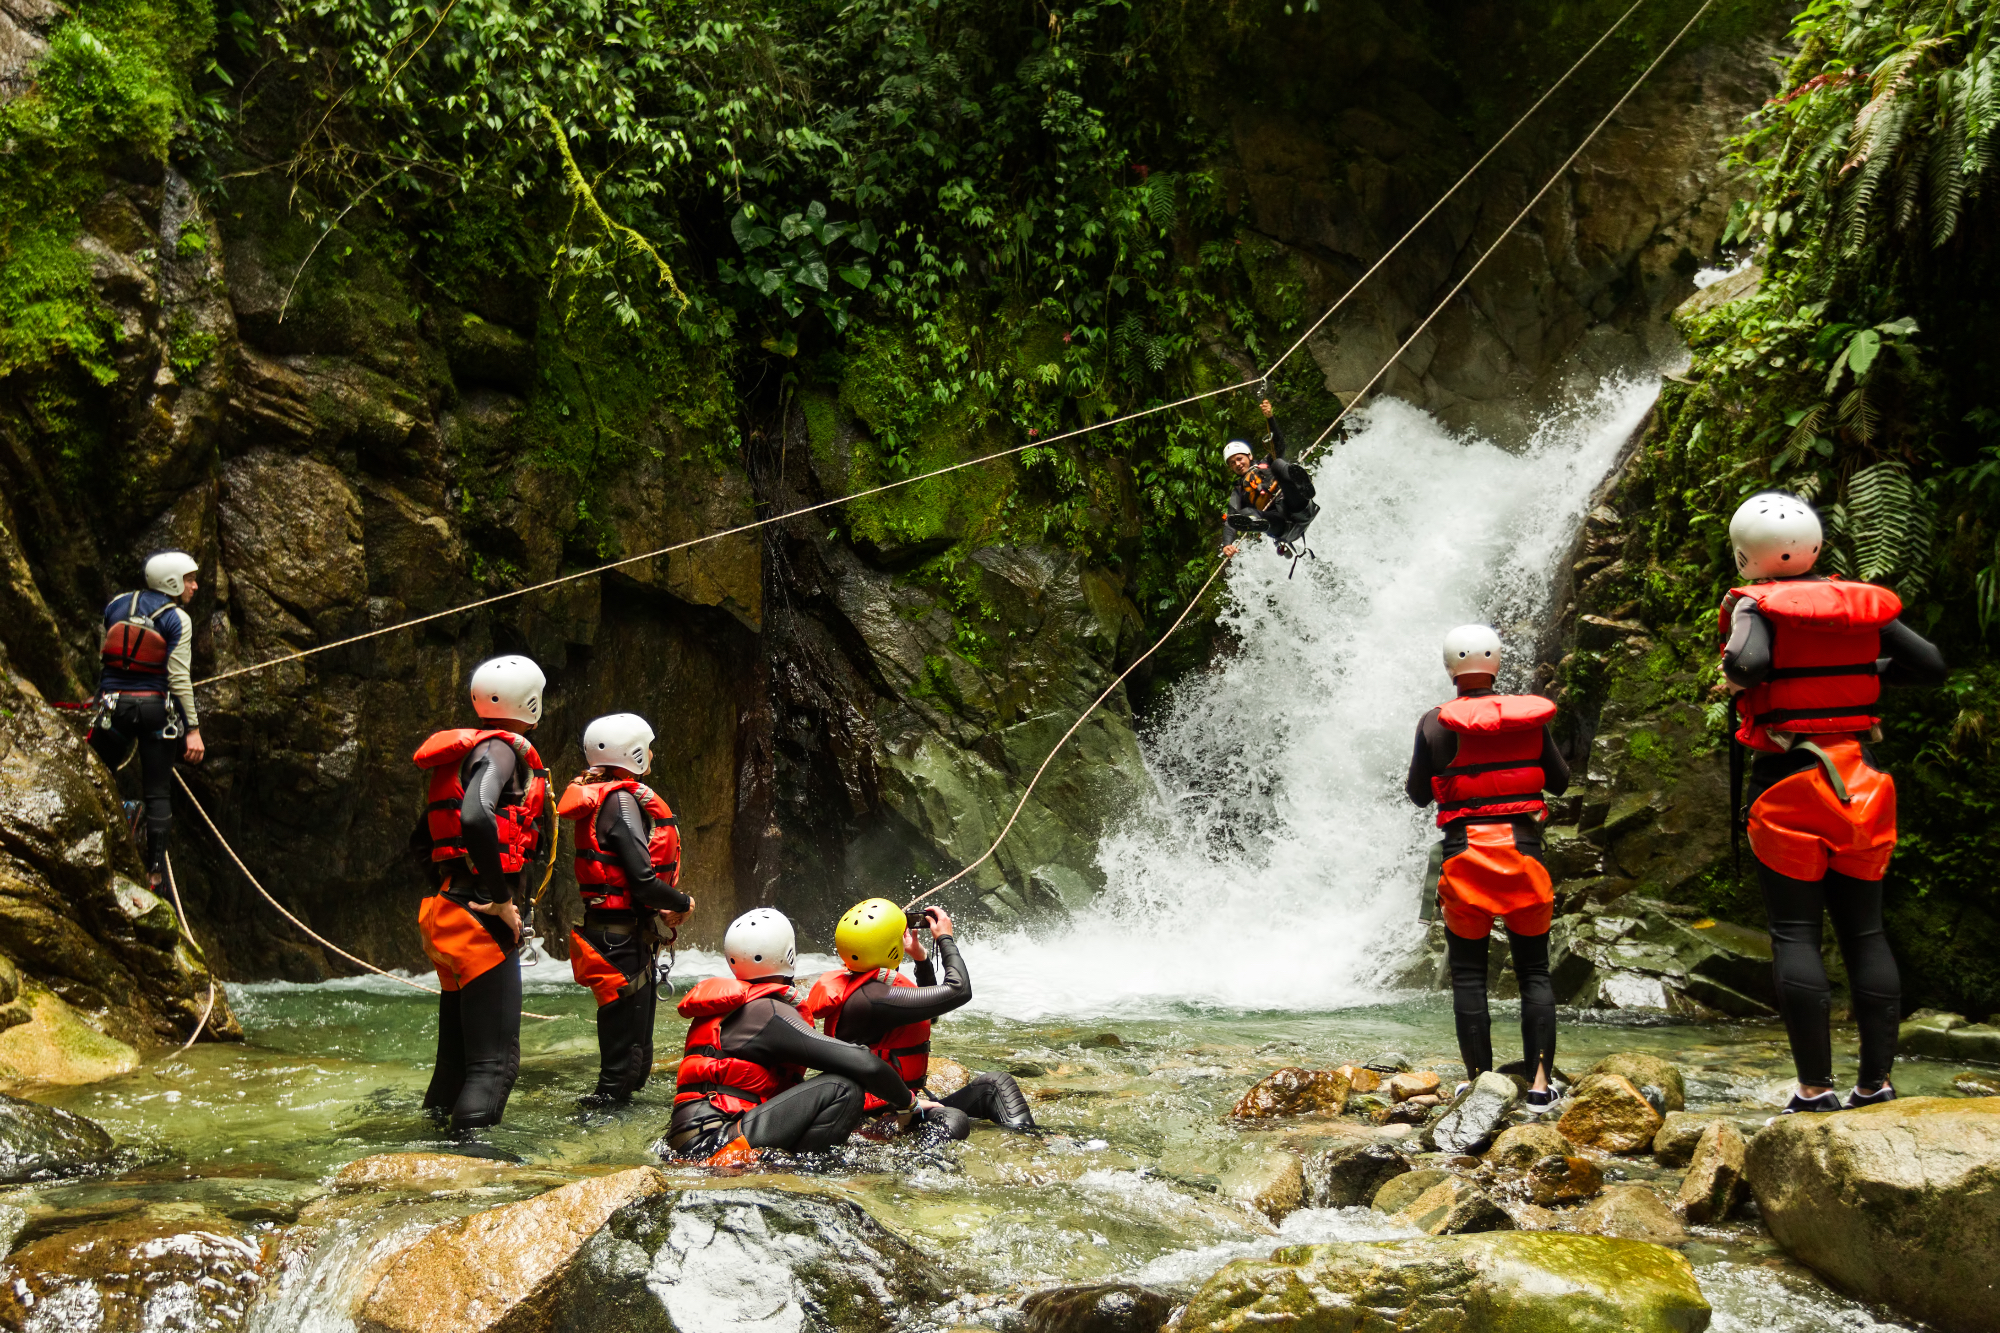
1492 878
462 944
1802 828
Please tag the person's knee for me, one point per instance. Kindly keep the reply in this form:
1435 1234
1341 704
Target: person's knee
946 1122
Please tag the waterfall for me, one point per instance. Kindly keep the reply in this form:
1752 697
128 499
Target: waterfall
1275 864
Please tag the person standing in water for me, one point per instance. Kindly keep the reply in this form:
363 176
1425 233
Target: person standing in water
485 823
1486 758
145 694
628 872
1806 658
1274 496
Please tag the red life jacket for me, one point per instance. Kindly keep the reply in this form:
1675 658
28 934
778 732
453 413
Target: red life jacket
519 826
732 1084
1826 635
135 643
1498 767
599 876
908 1047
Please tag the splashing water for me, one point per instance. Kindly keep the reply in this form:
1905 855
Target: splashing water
1276 863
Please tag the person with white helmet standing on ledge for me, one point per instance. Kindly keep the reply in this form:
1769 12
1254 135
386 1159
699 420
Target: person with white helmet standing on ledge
741 1086
145 693
1806 658
1274 496
486 823
628 872
1486 758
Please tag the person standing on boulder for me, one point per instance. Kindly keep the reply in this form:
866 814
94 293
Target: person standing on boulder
1486 758
628 871
486 822
145 694
1806 658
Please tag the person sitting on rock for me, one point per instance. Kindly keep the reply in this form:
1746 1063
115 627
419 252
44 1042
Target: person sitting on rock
628 872
741 1085
1274 496
1806 658
1486 758
145 694
870 1001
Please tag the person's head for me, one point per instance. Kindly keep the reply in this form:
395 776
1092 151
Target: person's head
172 572
508 691
1236 456
619 740
1774 535
870 935
1472 656
760 946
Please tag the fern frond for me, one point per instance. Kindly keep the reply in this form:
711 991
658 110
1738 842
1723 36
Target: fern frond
1889 520
1943 167
1800 442
1858 414
1838 563
1160 203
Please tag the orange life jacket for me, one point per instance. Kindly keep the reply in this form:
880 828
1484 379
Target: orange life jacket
908 1047
1498 767
1260 487
518 826
1826 635
599 876
731 1084
135 643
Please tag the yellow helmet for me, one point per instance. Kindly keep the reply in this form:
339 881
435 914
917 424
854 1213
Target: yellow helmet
870 935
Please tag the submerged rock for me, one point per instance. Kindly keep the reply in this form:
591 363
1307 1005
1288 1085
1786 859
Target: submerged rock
1629 1212
1562 1179
1294 1091
1349 1174
1606 1111
1272 1182
136 1272
1714 1181
1460 1284
1112 1307
1898 1203
1476 1115
1658 1081
42 1142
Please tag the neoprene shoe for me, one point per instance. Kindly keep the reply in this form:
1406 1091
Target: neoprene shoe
1826 1101
1539 1103
1858 1098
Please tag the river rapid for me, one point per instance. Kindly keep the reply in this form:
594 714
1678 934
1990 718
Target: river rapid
1257 903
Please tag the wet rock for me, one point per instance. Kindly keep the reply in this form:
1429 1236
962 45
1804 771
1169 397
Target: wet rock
43 1142
1399 1192
1976 1042
1562 1179
1898 1203
1413 1112
1272 1182
133 1273
1674 1144
1294 1091
1521 1146
1513 1280
945 1077
1476 1115
1350 1174
438 1172
1112 1307
1629 1212
1452 1207
1360 1078
1658 1081
1976 1085
1607 1112
1928 1032
1714 1181
1404 1086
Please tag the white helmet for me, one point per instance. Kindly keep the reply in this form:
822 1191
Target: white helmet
165 571
760 944
1774 533
1233 448
1472 648
621 739
508 689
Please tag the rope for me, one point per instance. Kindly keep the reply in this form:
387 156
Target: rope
180 917
1519 218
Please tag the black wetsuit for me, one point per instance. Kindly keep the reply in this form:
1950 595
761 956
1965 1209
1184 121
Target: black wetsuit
1283 519
625 939
819 1113
1436 747
147 701
1797 908
877 1008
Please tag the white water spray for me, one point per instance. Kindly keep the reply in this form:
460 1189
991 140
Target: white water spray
1275 865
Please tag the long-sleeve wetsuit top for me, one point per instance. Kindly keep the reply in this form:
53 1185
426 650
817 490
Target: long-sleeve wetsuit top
494 777
770 1032
1295 493
176 626
1437 746
621 830
876 1007
1908 658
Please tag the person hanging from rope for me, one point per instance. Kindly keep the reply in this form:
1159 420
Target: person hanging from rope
1486 758
1806 658
145 691
1274 496
741 1086
628 872
873 1003
486 824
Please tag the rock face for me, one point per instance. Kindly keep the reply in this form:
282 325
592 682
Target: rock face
1607 1112
1508 1280
1295 1091
1898 1203
1476 1115
43 1142
1105 1308
1714 1181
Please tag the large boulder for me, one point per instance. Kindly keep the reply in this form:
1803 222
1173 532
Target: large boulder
1477 1115
1511 1280
42 1142
1898 1203
191 1270
1294 1091
1949 1037
1607 1112
1521 1146
1658 1081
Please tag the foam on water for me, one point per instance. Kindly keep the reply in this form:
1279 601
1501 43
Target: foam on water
1275 863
